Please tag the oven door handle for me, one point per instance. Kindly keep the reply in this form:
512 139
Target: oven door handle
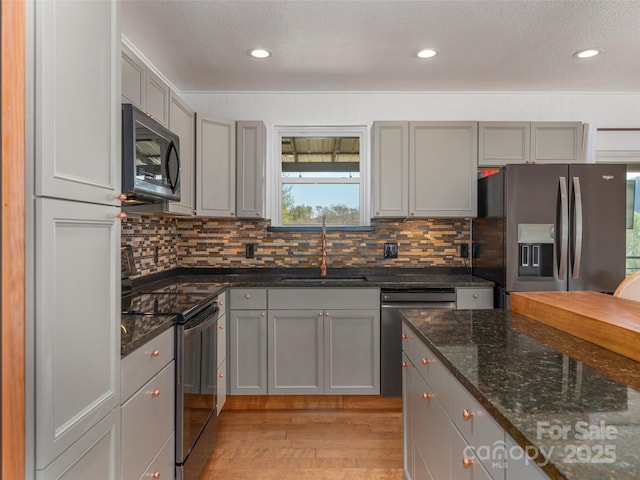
189 332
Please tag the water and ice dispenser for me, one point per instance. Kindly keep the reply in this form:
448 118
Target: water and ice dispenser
535 249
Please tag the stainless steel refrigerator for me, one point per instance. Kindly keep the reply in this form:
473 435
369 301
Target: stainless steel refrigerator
544 227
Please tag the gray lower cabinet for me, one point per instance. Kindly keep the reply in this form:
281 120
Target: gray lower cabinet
148 410
95 455
247 359
221 351
324 341
444 426
295 346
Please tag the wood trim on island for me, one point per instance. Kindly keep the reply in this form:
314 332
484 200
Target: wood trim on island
13 239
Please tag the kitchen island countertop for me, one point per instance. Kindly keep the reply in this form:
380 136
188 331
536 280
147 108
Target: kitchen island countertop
531 378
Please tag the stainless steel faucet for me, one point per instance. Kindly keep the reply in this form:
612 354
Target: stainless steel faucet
323 236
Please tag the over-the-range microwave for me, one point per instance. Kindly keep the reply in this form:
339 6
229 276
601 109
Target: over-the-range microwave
150 158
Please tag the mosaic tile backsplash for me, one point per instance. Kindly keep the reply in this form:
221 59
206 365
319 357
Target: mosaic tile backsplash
162 242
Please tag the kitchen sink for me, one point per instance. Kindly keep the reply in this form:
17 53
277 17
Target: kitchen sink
322 279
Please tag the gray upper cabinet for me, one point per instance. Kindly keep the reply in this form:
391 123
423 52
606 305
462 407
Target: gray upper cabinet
182 123
157 98
390 169
443 160
425 169
251 151
77 151
215 167
142 87
556 142
133 78
501 143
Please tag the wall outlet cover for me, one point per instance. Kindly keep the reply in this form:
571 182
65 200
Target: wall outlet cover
390 250
464 250
250 250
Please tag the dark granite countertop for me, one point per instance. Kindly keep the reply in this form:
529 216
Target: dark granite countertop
141 329
342 277
136 330
524 372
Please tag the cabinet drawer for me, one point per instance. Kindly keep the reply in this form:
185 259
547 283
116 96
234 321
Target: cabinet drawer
408 342
464 463
474 298
477 427
147 422
248 298
324 298
433 372
164 464
143 363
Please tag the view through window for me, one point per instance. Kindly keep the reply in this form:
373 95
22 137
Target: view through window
633 218
321 176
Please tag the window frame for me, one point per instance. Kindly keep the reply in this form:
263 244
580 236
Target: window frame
360 131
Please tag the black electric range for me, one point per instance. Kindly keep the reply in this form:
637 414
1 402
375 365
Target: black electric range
183 299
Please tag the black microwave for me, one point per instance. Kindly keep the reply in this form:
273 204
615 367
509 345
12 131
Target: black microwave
150 158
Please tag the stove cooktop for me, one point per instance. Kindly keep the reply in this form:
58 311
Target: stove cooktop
182 299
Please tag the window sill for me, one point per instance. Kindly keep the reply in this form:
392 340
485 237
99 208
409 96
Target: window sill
318 228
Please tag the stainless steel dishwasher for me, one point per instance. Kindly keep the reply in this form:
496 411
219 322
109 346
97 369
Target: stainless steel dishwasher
392 300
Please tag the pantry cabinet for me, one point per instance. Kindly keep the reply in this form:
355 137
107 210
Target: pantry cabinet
215 167
425 169
74 236
77 150
501 143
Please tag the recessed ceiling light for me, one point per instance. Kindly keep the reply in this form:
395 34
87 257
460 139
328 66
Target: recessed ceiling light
588 53
259 53
426 53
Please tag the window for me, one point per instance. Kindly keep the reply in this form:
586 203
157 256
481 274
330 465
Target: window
322 172
633 218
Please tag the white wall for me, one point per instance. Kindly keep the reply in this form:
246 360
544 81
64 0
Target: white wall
352 108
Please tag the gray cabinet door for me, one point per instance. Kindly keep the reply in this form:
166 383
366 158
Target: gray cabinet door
157 98
443 169
556 142
500 143
352 352
248 352
78 115
408 374
295 352
134 78
251 150
77 321
182 123
95 455
390 169
215 167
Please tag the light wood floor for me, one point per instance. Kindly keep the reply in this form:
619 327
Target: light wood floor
329 444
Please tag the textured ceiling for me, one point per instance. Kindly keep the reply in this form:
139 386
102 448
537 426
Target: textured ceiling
344 45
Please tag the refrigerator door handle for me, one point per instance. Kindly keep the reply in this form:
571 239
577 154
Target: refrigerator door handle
564 228
577 256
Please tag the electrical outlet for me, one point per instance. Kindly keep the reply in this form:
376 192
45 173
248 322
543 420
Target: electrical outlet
464 250
475 250
390 250
250 250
